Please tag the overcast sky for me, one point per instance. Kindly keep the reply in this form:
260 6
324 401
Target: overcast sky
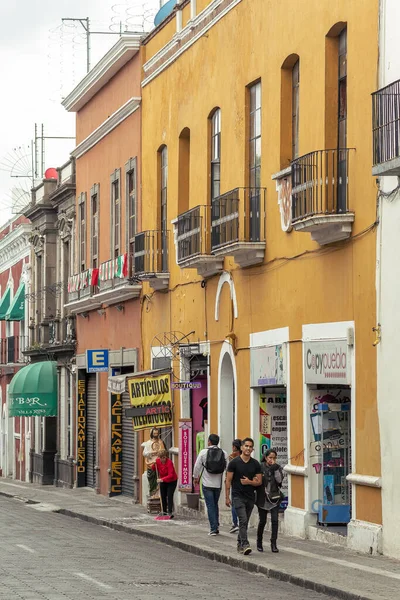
41 60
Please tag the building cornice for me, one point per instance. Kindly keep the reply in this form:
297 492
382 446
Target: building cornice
15 246
112 62
106 127
183 40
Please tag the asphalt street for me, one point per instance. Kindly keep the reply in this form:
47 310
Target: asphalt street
48 556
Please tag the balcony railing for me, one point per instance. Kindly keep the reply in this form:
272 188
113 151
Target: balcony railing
114 272
151 252
238 217
81 284
193 237
11 349
386 125
320 183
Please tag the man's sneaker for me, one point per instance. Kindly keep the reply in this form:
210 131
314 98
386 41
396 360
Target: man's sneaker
247 550
213 533
234 529
217 531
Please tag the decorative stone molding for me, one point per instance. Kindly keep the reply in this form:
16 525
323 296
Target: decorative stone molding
15 246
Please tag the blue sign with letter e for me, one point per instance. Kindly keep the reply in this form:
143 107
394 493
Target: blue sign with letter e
96 361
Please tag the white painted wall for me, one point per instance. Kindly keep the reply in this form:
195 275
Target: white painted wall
388 294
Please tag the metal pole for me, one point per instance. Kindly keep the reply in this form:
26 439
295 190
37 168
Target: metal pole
42 161
36 153
88 44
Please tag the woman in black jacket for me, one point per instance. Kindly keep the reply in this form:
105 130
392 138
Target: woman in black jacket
269 498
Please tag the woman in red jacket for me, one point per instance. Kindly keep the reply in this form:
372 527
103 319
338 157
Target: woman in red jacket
168 479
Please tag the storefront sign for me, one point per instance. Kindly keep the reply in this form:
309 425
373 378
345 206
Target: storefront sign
116 445
186 385
327 362
97 361
151 401
273 431
81 431
116 384
185 455
268 366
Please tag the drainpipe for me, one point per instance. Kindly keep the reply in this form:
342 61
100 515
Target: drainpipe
193 9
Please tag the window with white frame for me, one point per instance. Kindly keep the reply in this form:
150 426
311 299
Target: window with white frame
115 194
255 135
94 230
215 153
163 207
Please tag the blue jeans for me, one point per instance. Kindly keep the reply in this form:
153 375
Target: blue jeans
211 497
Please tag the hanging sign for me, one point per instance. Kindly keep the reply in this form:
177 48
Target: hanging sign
151 404
116 445
185 455
81 431
186 385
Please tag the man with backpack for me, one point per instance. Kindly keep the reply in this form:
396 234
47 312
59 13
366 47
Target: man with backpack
210 466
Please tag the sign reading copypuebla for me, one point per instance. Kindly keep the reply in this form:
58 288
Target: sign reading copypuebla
151 401
327 362
96 361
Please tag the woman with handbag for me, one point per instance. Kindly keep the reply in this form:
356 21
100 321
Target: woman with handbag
269 497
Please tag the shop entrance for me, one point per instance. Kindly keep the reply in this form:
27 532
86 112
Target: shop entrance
227 413
330 454
272 429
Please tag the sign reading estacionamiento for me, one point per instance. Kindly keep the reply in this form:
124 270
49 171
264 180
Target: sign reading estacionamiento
151 401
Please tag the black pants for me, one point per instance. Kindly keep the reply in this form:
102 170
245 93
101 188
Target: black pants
167 496
244 508
263 521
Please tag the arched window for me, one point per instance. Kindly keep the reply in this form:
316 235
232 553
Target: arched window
215 153
290 109
184 171
163 165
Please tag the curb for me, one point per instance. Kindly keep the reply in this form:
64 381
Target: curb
245 565
308 584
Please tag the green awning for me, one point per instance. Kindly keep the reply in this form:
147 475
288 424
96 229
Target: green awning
33 391
5 304
16 311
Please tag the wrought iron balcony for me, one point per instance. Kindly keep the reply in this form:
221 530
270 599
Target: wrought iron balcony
193 241
238 225
115 281
386 130
81 291
12 348
320 195
150 258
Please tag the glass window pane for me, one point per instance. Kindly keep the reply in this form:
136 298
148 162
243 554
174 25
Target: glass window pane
252 152
258 151
258 122
258 94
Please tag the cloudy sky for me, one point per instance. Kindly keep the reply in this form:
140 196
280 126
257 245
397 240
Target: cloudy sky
41 60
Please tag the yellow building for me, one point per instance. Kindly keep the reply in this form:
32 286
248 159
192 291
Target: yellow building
260 212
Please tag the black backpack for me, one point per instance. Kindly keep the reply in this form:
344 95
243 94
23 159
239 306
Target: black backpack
215 461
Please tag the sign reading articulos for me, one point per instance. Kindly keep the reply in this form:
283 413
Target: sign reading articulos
327 362
151 401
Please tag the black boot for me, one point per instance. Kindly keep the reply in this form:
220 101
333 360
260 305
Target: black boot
274 547
260 531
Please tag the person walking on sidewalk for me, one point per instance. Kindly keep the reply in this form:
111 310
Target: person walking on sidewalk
269 498
210 465
168 479
244 474
236 444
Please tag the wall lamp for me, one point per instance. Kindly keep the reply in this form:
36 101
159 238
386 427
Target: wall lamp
120 307
101 311
84 315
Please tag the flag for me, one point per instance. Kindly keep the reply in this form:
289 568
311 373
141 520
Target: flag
94 280
121 264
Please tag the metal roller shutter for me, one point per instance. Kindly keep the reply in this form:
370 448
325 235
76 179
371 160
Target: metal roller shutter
129 442
91 431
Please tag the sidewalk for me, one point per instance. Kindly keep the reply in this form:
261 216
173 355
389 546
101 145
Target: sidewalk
313 565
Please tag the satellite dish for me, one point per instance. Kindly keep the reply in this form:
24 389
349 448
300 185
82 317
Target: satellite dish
51 173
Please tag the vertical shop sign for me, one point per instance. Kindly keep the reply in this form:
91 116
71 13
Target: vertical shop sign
116 445
81 431
273 431
185 455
